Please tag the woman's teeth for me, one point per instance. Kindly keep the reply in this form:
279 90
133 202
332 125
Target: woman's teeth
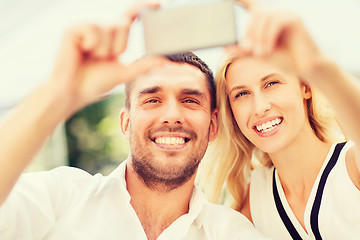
268 126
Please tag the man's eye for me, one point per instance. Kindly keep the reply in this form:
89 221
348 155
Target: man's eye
190 101
152 101
240 94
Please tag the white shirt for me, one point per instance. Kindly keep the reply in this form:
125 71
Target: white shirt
68 203
338 210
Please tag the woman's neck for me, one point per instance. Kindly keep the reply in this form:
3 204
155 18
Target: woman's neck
299 163
298 166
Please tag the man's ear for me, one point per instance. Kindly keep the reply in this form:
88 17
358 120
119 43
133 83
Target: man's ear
213 125
307 91
124 122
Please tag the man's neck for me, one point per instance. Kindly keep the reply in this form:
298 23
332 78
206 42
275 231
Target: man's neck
157 209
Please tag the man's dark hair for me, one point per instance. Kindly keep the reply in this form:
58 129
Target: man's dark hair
192 59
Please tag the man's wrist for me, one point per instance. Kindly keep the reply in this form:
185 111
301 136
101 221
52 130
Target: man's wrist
63 101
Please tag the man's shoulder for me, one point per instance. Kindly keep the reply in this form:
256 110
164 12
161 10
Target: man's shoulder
72 173
262 174
69 177
219 216
63 172
263 170
216 212
226 222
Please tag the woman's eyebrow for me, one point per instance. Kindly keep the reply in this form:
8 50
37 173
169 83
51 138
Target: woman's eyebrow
270 75
237 88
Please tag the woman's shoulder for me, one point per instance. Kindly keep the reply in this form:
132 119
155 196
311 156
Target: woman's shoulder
346 172
351 158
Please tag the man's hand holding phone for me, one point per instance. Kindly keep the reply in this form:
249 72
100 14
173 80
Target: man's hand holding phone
88 62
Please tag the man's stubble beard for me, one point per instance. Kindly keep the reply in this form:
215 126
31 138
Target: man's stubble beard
164 177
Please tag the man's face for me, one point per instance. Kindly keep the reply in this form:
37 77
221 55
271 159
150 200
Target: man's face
169 124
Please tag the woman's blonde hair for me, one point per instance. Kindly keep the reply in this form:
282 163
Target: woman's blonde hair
226 167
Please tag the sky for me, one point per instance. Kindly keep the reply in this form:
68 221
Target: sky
31 31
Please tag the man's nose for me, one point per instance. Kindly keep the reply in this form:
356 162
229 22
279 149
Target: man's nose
172 113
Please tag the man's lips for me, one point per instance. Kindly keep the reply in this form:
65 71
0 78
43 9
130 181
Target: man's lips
171 140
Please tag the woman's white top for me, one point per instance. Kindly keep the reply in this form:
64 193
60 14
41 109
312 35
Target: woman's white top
332 210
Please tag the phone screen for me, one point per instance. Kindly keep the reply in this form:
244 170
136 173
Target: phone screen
181 29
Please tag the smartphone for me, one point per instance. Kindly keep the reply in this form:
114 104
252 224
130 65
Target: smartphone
181 29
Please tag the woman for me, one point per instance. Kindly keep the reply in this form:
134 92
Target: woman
271 109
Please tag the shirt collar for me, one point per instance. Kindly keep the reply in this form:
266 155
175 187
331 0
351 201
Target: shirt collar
197 200
119 176
196 206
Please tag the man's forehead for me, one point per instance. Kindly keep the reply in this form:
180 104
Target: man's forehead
179 75
172 69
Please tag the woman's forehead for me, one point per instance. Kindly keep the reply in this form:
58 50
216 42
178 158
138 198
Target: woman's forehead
247 68
255 69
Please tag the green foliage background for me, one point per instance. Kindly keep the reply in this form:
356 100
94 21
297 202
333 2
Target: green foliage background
94 138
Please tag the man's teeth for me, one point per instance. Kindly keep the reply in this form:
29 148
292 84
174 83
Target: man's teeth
170 140
268 126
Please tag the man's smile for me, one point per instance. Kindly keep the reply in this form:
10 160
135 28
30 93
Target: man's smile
171 142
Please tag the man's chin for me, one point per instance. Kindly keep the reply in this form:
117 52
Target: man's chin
168 173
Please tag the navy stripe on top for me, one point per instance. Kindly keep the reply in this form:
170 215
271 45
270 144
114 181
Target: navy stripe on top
314 217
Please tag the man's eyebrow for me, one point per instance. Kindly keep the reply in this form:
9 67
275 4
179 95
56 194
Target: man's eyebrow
195 92
270 75
148 90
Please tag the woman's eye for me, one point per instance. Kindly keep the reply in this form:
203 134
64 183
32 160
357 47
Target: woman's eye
269 84
240 94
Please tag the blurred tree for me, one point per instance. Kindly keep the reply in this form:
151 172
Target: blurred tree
94 138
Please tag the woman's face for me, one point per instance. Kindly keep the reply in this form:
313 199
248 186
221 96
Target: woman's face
267 102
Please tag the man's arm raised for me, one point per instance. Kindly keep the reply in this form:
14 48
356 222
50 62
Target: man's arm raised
87 67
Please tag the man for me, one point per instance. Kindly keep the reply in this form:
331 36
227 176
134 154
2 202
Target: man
169 119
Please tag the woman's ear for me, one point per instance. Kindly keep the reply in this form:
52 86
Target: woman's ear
124 122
